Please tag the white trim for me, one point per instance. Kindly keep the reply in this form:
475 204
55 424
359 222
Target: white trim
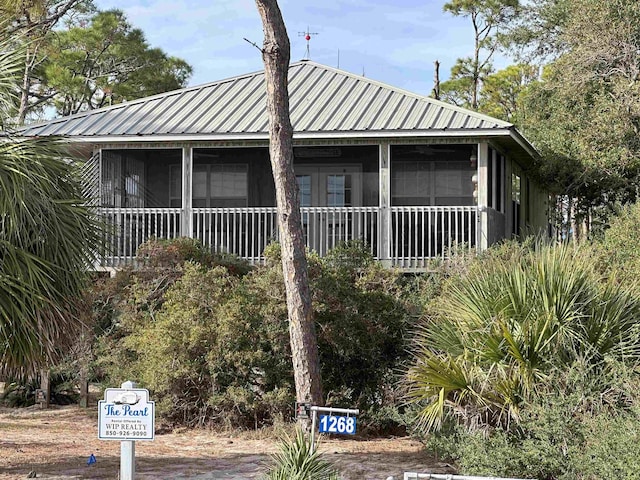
387 134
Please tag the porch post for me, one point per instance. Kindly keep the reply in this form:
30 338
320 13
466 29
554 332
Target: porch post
508 199
384 212
186 224
483 196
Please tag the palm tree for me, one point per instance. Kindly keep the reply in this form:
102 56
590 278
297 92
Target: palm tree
495 336
47 236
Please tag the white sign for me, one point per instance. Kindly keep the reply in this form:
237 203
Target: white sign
126 414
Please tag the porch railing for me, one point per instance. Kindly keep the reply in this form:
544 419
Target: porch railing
128 228
247 231
422 233
416 234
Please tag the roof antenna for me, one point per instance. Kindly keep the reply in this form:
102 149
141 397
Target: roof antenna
307 37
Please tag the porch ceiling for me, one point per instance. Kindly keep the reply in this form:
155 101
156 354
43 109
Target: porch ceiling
323 100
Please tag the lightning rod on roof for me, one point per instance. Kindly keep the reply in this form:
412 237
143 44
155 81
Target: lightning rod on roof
307 36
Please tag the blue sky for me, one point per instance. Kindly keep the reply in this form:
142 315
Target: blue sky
392 41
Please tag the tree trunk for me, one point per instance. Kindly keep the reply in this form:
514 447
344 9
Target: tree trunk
304 346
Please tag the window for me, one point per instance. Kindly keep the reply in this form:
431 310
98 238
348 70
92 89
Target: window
339 190
304 187
431 182
515 202
213 185
329 186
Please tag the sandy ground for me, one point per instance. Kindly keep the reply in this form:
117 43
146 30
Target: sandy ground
56 444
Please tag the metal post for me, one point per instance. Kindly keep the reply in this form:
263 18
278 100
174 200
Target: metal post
314 424
314 419
127 450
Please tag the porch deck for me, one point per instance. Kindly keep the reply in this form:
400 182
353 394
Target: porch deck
414 235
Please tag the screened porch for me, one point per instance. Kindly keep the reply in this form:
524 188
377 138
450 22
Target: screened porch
406 203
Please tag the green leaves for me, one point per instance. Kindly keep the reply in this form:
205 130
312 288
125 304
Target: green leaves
494 335
46 244
107 62
295 461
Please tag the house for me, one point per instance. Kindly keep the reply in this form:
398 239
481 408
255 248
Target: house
408 175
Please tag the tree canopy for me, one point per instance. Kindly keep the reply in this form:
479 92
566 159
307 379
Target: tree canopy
78 58
583 112
104 62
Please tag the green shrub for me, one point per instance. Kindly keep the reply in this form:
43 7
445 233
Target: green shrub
573 431
494 335
171 253
295 461
619 251
205 351
213 346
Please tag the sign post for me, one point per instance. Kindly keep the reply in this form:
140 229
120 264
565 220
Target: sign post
127 415
332 423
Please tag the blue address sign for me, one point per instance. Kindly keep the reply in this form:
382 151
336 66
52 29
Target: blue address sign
335 424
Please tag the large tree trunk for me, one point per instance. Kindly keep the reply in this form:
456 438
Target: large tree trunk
304 346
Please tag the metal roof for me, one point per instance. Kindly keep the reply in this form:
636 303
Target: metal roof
322 100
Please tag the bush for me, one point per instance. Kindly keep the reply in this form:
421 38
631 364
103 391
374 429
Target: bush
573 431
493 336
172 253
295 461
213 346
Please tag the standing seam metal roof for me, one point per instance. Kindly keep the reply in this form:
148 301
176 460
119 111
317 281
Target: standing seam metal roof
322 99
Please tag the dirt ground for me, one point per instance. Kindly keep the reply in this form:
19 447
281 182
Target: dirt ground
56 444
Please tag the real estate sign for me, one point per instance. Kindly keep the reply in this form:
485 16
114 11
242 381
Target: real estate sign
126 414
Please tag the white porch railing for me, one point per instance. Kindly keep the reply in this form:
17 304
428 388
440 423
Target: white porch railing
247 231
416 234
422 233
447 476
127 228
242 231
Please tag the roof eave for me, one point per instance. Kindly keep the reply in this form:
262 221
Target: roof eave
379 134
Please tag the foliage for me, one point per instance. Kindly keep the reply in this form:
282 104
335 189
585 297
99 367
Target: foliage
584 114
29 24
295 461
22 393
572 432
538 32
494 336
462 87
214 346
46 240
619 253
78 58
163 253
487 17
501 91
105 62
